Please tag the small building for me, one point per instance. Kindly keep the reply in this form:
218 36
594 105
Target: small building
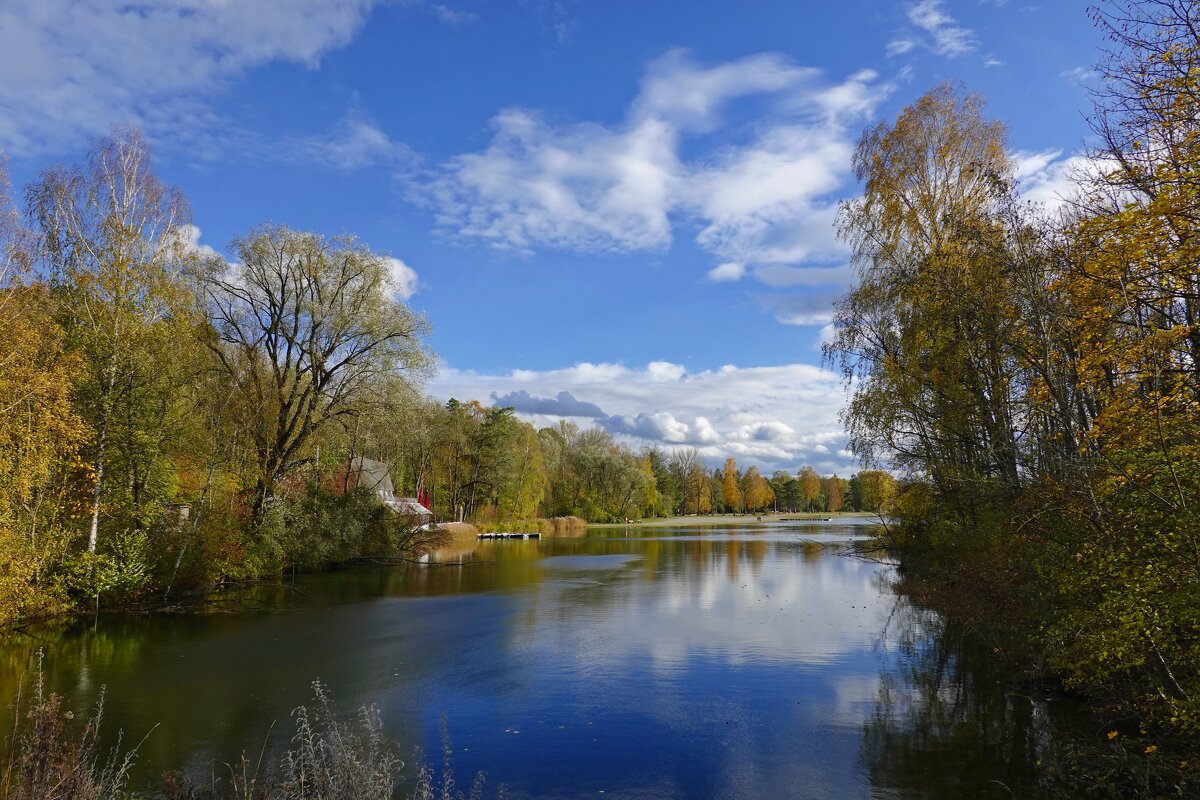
366 473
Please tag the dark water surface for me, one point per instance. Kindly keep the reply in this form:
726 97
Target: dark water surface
739 662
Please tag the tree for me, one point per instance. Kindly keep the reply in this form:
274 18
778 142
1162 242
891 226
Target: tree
756 490
666 484
114 238
784 486
832 488
306 328
877 491
693 480
809 484
924 336
731 492
40 433
651 502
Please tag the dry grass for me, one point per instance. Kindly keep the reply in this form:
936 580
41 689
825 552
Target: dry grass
328 759
46 760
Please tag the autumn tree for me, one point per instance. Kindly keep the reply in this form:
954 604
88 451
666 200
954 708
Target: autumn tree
40 433
832 488
306 327
1130 278
652 498
923 334
756 490
114 237
731 491
877 491
808 482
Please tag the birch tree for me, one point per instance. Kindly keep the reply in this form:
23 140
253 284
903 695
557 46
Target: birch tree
113 235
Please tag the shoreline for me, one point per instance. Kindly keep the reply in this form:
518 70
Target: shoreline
707 520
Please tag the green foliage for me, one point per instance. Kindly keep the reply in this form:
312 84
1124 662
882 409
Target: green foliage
1038 377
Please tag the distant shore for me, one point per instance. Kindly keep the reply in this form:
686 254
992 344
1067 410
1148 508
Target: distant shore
738 519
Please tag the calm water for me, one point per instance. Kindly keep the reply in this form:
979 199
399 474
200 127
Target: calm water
744 662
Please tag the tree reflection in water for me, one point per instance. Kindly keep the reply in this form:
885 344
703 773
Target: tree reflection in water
949 722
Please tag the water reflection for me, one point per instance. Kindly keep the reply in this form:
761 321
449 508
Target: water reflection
700 663
950 721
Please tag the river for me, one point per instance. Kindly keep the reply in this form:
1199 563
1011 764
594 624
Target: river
756 661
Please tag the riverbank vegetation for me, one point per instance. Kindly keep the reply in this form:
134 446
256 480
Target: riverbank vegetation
49 754
1037 375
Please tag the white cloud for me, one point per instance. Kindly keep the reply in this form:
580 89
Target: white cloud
810 308
776 417
600 187
354 143
705 432
658 426
729 271
948 37
454 17
781 276
665 371
1079 75
690 97
72 69
191 242
403 278
1051 180
898 47
582 187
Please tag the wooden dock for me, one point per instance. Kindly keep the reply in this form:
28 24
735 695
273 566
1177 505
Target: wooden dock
510 536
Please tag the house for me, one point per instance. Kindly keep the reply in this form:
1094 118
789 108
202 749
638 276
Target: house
365 473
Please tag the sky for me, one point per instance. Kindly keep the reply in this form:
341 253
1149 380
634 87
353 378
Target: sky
615 212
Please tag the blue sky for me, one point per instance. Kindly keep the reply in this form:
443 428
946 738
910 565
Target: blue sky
616 211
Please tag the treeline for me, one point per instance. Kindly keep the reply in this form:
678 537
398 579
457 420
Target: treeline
1039 374
482 464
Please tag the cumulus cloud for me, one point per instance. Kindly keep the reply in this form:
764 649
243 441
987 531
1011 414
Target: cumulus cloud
775 417
772 431
656 426
1051 180
632 185
664 371
564 405
152 64
729 271
403 278
190 235
582 187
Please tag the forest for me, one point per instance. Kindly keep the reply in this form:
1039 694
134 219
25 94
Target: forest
1035 375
